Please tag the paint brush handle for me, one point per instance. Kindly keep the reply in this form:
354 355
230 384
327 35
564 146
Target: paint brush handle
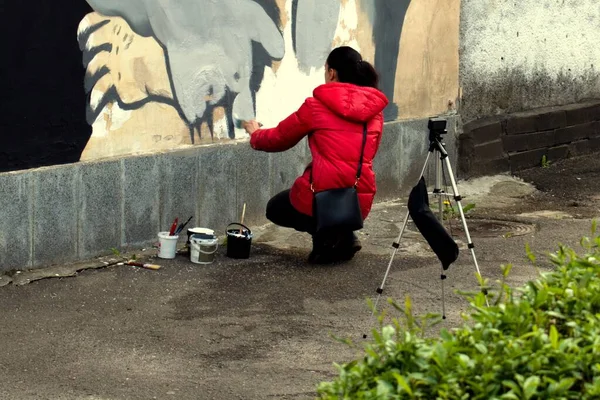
183 226
243 215
173 227
153 267
179 228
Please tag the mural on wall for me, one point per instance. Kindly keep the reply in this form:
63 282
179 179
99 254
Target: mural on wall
204 58
206 47
387 19
165 74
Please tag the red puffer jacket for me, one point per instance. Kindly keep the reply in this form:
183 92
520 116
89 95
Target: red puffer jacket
334 118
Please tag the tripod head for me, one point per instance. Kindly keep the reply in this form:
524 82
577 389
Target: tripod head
437 128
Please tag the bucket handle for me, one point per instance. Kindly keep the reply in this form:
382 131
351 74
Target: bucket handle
209 252
198 246
235 223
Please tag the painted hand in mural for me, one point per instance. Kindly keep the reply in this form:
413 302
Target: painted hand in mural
121 66
208 49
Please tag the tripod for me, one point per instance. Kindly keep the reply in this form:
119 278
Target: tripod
437 128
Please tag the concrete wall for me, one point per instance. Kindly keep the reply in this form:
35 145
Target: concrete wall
520 55
77 211
522 140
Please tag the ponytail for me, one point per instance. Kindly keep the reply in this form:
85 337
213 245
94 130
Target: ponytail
366 74
351 68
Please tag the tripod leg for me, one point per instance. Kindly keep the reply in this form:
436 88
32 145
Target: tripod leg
443 278
437 190
458 199
396 246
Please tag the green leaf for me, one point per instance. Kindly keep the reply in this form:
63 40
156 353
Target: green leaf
445 335
565 384
388 332
384 389
530 254
514 386
545 162
468 208
402 383
558 388
506 270
530 386
554 337
481 348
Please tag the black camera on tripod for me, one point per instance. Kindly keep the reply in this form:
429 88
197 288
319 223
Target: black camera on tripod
437 128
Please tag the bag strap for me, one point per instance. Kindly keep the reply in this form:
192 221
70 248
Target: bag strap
362 153
360 161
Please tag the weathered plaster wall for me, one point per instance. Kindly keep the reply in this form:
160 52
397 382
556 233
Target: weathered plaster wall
427 75
519 55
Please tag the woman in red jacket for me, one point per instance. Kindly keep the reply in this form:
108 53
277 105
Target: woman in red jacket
333 119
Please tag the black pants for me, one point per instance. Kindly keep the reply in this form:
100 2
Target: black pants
280 211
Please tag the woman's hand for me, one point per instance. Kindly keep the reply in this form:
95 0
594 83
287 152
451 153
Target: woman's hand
251 126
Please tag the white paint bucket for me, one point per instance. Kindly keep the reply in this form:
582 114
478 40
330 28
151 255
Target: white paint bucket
203 248
167 245
197 230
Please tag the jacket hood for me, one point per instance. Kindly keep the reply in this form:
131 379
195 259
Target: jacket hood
351 102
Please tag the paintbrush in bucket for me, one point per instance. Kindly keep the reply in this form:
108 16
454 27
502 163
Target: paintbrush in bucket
183 225
242 220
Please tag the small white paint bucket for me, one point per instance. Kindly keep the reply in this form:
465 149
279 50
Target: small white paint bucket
203 248
167 245
197 231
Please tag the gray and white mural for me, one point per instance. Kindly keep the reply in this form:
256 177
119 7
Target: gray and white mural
163 74
214 52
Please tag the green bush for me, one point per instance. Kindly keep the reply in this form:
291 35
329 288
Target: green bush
541 341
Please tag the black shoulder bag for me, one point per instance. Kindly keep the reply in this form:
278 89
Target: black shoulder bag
339 209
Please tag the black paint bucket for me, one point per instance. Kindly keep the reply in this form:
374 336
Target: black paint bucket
239 241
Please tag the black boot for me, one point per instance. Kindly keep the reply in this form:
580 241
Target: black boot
334 247
356 244
348 246
324 248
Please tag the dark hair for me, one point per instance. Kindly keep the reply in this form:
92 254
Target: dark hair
351 68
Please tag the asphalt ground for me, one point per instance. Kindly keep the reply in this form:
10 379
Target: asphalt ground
262 328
